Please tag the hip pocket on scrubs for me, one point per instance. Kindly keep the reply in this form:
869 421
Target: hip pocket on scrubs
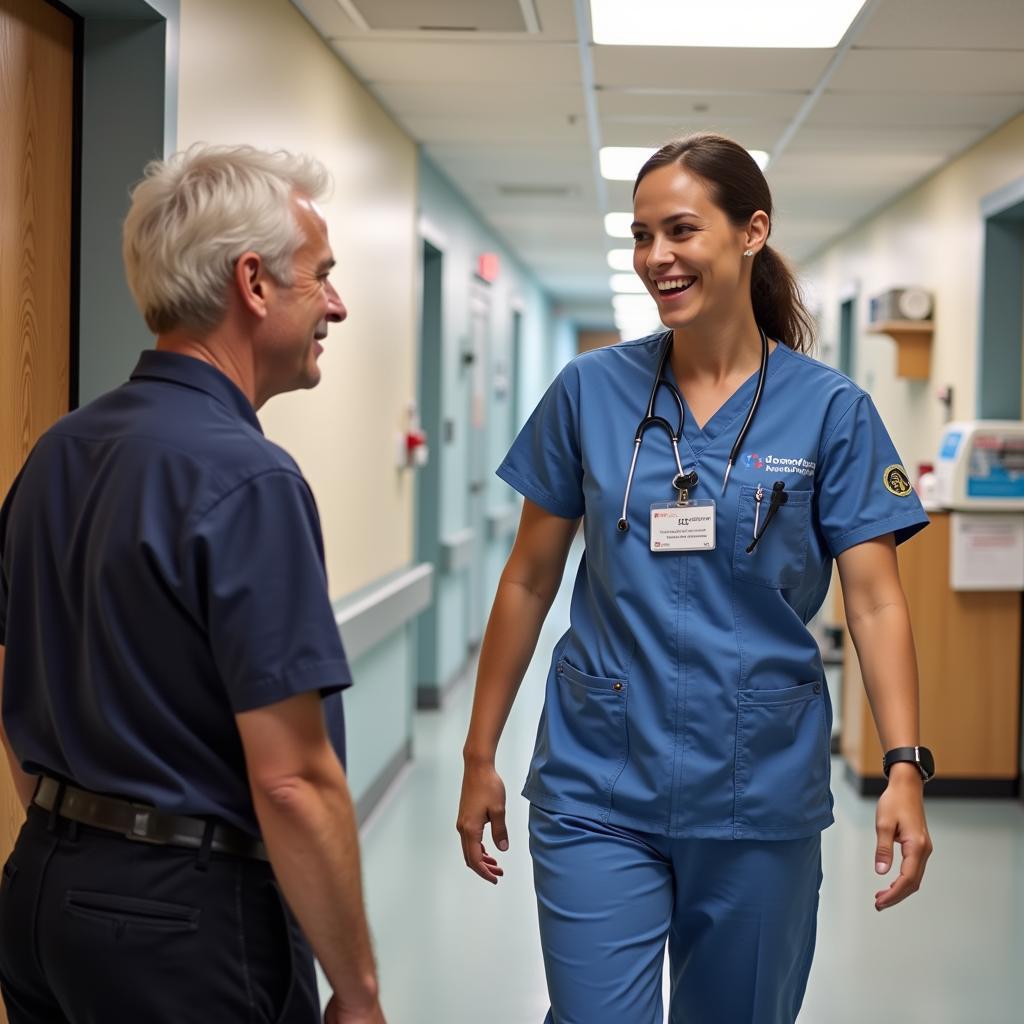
587 736
781 554
782 758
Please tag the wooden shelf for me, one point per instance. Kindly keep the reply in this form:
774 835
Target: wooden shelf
913 345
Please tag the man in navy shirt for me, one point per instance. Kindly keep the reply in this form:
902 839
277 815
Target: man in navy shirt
171 687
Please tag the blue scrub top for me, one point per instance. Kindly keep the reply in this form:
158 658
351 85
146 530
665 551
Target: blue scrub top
688 697
161 570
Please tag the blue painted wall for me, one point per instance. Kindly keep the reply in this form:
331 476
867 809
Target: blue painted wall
378 711
460 234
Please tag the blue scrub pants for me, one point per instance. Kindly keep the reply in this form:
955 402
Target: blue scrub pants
739 917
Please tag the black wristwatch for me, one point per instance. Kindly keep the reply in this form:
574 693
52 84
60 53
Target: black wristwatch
921 756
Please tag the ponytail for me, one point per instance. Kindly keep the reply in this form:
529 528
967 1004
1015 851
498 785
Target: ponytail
778 306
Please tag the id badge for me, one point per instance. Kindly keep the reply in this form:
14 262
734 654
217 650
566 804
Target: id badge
686 527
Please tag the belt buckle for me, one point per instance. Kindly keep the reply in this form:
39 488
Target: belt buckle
140 830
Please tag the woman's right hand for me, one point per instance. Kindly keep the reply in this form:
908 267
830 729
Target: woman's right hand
482 801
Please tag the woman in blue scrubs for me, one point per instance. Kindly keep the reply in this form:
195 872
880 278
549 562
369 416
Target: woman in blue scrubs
680 780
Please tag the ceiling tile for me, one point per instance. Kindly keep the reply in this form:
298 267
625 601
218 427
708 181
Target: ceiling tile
503 114
633 103
460 15
917 109
888 139
535 128
946 25
753 135
557 20
938 72
496 99
465 63
715 70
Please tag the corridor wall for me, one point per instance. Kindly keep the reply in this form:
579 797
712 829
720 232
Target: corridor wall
451 226
931 237
258 73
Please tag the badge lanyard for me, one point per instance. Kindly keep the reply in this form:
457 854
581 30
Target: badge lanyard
684 524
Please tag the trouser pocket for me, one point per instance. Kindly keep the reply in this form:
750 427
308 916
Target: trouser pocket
131 911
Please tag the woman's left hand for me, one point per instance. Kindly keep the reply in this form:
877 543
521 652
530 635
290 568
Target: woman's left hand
900 819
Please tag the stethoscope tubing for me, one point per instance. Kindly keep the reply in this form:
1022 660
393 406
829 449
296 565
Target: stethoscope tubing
651 420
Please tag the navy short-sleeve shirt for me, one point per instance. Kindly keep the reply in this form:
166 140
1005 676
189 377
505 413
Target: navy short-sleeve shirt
161 569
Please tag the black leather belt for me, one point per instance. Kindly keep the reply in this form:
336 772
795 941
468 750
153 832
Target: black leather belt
142 823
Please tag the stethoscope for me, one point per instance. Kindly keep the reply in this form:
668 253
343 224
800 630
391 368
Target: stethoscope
685 482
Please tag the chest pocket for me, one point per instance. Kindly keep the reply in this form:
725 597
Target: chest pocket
780 557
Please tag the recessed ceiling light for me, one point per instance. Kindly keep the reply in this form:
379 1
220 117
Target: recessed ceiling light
623 163
619 225
787 24
620 259
627 284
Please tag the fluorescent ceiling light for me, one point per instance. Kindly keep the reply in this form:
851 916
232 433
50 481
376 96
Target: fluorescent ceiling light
623 163
634 303
637 326
627 284
637 321
619 225
620 259
787 24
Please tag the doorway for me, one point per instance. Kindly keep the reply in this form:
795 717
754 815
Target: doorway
38 102
428 479
476 462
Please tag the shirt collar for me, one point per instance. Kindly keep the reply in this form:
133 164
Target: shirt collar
194 373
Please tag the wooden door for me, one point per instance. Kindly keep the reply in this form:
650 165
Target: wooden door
37 84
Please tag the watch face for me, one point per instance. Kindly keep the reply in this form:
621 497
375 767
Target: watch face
927 761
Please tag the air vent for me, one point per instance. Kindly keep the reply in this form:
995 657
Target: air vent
536 191
442 15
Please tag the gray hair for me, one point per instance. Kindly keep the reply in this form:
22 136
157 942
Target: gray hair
195 213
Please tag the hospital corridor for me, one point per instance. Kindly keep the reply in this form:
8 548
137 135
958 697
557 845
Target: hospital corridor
600 420
468 951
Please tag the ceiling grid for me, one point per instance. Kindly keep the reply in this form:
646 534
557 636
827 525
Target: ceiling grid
511 98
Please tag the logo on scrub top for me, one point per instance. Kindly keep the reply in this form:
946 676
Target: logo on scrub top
779 464
897 481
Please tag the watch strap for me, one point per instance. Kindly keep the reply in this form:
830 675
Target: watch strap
909 754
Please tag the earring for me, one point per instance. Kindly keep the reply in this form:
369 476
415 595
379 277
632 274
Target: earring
749 252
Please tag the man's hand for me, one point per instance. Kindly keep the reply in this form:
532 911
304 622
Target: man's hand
483 800
900 819
335 1013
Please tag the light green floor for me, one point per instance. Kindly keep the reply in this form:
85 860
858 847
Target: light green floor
454 950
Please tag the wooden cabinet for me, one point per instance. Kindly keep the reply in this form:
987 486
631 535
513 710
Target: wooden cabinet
969 660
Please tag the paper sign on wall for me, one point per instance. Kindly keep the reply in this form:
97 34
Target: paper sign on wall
987 551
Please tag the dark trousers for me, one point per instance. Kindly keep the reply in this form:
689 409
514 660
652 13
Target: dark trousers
98 929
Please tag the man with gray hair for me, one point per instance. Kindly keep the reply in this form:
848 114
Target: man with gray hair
171 694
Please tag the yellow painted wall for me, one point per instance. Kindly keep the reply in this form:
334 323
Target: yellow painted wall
254 71
932 237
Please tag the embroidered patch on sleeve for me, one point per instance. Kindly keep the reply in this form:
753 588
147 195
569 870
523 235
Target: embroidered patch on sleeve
897 481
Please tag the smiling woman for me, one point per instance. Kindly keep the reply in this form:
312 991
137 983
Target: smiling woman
704 196
680 781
